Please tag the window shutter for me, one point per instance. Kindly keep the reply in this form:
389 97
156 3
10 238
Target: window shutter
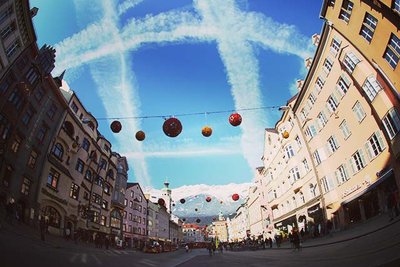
352 166
328 108
369 152
362 157
396 118
380 140
346 171
338 178
345 79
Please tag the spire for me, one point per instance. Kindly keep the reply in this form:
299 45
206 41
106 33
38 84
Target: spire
166 183
61 77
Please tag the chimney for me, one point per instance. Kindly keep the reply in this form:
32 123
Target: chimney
307 62
315 39
299 84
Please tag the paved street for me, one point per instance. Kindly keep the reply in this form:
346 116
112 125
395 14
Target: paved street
376 243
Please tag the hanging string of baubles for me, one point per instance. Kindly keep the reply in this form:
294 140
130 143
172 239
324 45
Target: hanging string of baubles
172 126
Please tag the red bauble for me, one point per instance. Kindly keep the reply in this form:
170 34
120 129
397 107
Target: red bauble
172 127
140 135
161 202
235 119
198 220
208 199
196 209
206 131
235 197
116 126
182 200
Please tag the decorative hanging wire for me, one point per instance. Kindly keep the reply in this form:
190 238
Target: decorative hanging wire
188 114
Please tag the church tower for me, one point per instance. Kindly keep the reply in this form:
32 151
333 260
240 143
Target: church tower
166 195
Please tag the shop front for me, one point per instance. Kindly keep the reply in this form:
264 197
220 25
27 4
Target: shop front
367 200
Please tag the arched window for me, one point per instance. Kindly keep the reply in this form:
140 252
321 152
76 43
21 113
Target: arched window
53 217
115 219
88 175
58 151
69 129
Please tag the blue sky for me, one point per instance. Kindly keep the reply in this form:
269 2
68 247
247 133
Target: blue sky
138 58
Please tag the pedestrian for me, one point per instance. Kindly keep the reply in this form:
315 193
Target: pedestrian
329 227
209 247
67 233
76 236
270 242
107 242
221 248
187 248
296 239
42 226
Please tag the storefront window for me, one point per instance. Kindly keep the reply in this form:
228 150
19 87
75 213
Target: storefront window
53 217
116 219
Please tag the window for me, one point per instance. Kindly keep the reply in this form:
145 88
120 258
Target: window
74 191
4 127
359 111
313 190
31 76
54 218
326 184
52 179
311 131
125 214
7 30
41 133
368 27
350 61
26 186
335 46
96 198
322 119
328 64
116 219
106 189
4 86
32 159
317 157
294 174
333 144
392 52
341 174
52 111
345 129
375 145
396 6
58 151
15 99
79 166
345 12
130 204
319 83
131 194
125 202
74 107
6 13
302 199
13 48
342 85
391 121
298 141
99 180
26 118
39 93
95 217
85 144
103 220
130 217
130 228
305 165
110 174
289 151
103 164
357 161
16 144
88 175
104 205
312 99
332 103
371 87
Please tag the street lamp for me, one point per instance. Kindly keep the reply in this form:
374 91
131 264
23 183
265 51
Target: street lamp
299 125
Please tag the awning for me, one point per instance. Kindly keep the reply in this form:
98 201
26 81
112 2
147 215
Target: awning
274 206
382 178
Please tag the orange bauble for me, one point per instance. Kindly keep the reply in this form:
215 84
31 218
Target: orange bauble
206 131
208 199
140 135
285 134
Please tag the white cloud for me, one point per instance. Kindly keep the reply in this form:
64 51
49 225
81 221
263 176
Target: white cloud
126 5
103 45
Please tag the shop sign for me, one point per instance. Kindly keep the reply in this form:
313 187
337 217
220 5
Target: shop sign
355 188
115 231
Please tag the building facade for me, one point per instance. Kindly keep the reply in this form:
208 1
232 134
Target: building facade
31 107
135 216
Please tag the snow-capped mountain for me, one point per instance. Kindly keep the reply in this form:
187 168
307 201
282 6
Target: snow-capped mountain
195 199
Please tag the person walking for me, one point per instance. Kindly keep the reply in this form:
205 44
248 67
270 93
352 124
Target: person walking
42 226
296 239
107 242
